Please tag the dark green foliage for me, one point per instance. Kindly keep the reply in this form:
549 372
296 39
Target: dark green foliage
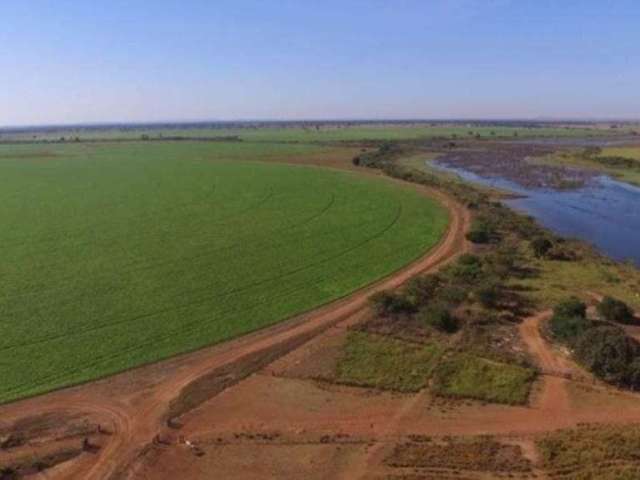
421 290
568 330
571 307
453 294
388 303
467 269
479 233
489 294
379 158
609 353
541 246
615 310
468 259
502 262
569 321
440 318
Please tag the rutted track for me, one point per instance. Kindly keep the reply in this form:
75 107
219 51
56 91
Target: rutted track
135 406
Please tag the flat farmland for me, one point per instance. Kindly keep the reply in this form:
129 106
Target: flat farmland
117 255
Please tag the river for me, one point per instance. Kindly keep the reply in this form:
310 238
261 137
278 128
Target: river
605 213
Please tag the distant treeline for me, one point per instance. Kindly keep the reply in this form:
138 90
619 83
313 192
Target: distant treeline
143 137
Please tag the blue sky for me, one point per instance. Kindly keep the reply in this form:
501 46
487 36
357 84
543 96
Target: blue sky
69 61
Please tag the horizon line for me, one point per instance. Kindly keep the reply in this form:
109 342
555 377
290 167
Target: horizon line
152 123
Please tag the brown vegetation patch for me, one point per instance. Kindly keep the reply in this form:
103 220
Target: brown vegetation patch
478 454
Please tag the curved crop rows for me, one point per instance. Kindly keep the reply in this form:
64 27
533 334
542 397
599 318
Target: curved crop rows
113 263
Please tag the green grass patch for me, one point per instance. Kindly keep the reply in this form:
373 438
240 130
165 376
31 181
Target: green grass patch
467 376
626 152
386 363
556 280
116 255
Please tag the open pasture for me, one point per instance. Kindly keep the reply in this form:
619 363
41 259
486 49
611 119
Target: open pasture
323 133
117 255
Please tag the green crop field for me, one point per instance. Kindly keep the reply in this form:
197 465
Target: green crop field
115 255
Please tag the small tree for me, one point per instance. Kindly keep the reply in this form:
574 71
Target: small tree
489 295
571 307
615 310
568 330
422 289
439 318
467 269
387 303
608 353
541 246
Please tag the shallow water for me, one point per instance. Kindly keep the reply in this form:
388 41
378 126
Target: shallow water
605 213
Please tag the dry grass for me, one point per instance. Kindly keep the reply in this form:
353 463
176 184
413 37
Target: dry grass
592 453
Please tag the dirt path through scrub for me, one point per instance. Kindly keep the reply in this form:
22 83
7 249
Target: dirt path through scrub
133 408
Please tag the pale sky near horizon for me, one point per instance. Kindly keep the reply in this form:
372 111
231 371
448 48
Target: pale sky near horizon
72 61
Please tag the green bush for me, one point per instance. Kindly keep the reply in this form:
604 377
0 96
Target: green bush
440 318
489 294
571 307
479 235
387 303
453 295
467 269
502 262
615 310
608 353
568 329
541 246
422 289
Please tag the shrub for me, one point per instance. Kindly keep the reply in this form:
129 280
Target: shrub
633 374
568 329
489 294
467 269
439 318
420 290
608 353
453 295
502 262
615 311
479 234
390 303
571 307
540 246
